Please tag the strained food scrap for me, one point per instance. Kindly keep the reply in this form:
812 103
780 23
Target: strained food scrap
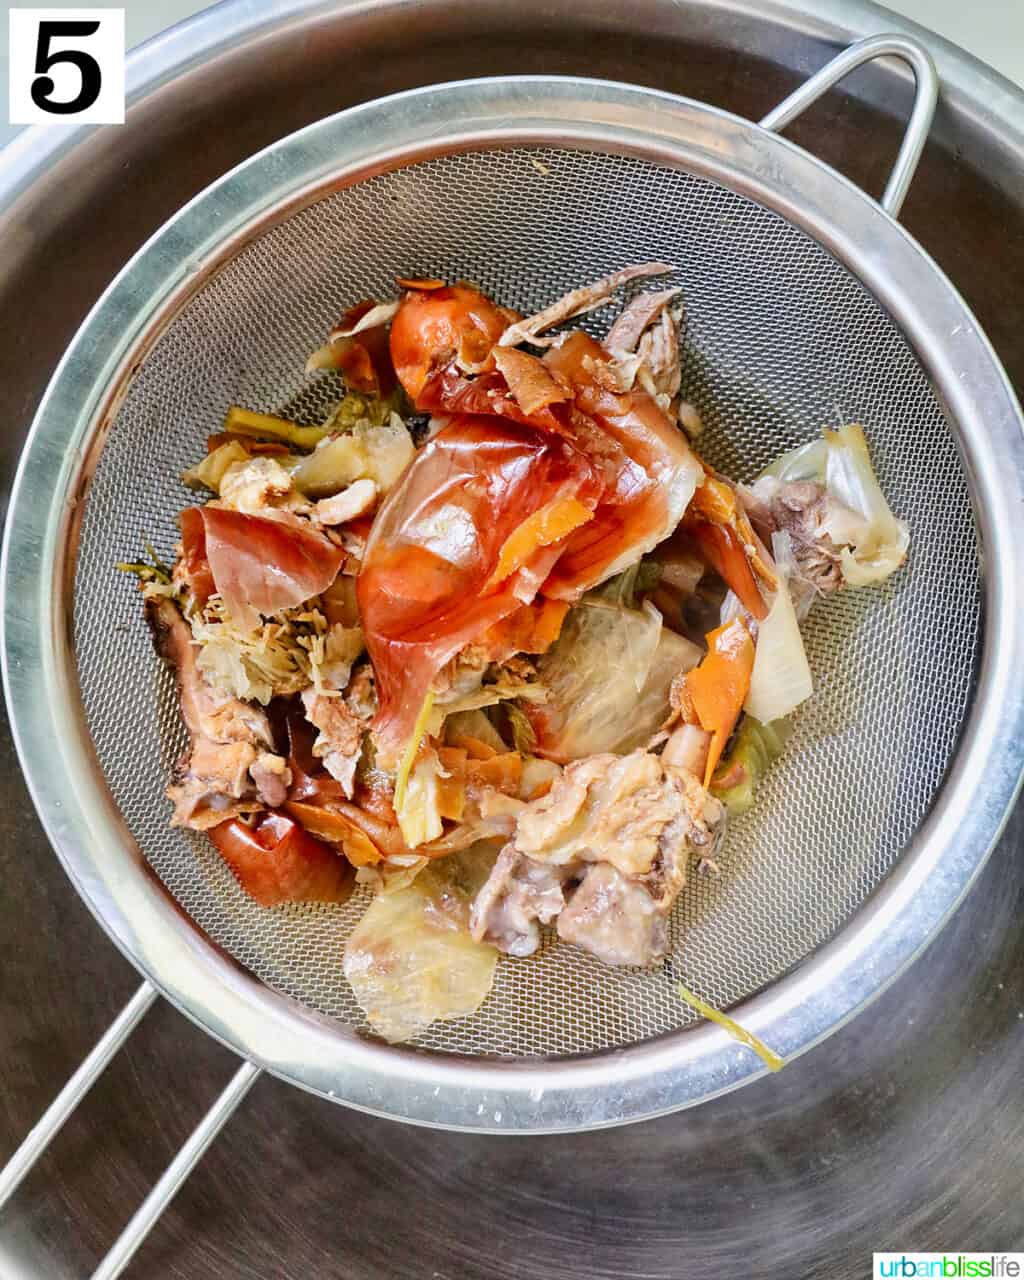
493 639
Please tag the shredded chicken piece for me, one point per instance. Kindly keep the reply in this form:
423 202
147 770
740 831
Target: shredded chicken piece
354 501
576 303
272 777
802 508
254 485
606 852
361 694
644 343
689 419
229 769
340 740
617 375
636 317
659 352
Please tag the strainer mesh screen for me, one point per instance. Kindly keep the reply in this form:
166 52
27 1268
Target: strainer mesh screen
779 340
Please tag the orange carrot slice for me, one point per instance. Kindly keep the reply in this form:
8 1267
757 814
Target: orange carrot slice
549 524
718 687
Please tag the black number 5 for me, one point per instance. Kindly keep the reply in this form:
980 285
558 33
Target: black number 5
88 68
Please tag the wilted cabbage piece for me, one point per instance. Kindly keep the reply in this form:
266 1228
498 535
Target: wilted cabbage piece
754 749
857 521
607 678
410 960
366 452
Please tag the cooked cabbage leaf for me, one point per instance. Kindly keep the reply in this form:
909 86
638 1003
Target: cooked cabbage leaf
607 677
755 748
768 1056
410 960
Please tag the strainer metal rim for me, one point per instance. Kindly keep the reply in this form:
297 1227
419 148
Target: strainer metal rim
99 853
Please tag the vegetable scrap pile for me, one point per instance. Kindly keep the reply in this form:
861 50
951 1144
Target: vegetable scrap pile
493 639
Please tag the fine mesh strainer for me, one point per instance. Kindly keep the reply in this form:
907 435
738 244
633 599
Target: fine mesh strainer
805 304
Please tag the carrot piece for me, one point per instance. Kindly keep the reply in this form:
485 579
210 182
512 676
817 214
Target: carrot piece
476 748
532 628
451 785
424 286
503 772
328 824
718 687
549 524
451 796
724 552
715 500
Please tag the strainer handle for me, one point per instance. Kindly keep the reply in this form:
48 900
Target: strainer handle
927 92
177 1171
145 1217
57 1113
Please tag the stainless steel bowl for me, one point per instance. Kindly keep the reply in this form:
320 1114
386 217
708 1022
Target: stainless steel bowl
983 119
89 405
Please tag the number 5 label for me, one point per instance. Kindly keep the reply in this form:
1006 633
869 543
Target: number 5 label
66 66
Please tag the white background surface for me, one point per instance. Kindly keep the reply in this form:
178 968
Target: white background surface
990 29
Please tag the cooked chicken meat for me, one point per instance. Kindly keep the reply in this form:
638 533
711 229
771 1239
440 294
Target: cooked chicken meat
614 918
801 508
355 500
230 768
340 740
645 343
254 485
606 852
518 893
576 303
272 777
636 317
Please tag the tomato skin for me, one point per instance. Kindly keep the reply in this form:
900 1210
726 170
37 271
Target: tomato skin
275 860
426 587
194 558
446 390
649 471
258 564
433 324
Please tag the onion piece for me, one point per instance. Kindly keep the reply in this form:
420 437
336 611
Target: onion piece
781 678
859 521
851 479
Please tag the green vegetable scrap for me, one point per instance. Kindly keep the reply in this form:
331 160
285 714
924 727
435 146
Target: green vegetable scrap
755 748
768 1056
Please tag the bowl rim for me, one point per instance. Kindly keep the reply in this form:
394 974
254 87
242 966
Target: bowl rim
540 1095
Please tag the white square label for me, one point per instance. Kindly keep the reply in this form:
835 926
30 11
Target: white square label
66 66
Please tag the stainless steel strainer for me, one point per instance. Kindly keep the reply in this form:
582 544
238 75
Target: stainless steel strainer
805 304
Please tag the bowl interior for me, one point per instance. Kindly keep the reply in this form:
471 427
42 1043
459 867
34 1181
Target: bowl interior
779 339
